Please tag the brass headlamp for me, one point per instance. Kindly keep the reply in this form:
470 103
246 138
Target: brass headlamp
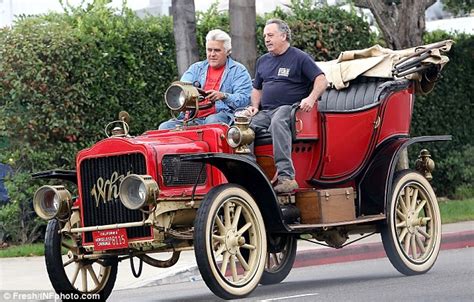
240 136
181 96
137 191
52 202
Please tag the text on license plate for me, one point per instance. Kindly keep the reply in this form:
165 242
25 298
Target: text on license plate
110 239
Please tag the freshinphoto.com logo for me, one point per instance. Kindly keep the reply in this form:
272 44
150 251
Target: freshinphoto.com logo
44 296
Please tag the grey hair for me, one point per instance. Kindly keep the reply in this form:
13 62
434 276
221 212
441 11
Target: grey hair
220 35
282 27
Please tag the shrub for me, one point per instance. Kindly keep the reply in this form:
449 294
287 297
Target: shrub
448 109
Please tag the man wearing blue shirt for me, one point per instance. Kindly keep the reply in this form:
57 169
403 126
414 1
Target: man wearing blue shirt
227 83
284 76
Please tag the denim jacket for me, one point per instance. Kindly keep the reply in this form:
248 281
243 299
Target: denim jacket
235 81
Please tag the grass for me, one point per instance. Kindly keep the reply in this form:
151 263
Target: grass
451 211
457 210
25 250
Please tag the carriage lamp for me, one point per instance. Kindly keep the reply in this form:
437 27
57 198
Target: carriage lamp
240 135
424 164
137 191
180 96
52 202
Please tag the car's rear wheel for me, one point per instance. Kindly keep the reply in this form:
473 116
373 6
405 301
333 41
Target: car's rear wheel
412 234
230 241
71 276
281 254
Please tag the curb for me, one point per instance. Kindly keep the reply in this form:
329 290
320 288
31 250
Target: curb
322 256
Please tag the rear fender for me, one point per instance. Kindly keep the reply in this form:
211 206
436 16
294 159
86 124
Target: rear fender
240 170
375 186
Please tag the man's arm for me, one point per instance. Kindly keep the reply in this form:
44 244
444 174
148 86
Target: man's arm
254 101
319 86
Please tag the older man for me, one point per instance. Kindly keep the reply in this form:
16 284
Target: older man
284 76
226 82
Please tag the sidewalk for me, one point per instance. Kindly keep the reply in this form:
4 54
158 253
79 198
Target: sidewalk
30 273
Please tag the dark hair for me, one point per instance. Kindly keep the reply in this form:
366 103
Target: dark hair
282 27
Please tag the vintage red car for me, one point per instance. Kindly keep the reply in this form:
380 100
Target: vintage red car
191 187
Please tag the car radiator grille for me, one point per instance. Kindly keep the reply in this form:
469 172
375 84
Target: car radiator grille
100 180
182 173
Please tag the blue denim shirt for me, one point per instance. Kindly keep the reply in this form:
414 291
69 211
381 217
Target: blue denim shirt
235 81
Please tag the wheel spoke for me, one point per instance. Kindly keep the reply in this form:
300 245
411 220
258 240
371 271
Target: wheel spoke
277 261
413 247
220 225
248 246
244 228
233 268
400 224
406 245
242 261
76 272
420 244
401 202
225 262
84 279
420 206
403 233
218 238
269 264
68 262
220 250
407 198
424 220
238 210
422 232
414 198
227 221
90 269
400 214
67 245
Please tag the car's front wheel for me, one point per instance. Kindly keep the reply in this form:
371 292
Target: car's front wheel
72 275
230 241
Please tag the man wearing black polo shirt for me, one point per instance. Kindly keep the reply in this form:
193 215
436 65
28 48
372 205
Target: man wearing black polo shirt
284 76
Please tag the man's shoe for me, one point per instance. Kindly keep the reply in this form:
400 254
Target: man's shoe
286 186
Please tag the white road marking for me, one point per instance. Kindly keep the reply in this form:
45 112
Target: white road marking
290 297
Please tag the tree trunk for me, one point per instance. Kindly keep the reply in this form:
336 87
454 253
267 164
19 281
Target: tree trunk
242 30
401 22
184 29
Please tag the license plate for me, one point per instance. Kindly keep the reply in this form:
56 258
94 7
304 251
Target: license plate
110 239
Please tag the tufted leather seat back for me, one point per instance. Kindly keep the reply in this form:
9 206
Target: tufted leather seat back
362 93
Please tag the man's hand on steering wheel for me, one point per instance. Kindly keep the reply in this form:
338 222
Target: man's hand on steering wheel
215 95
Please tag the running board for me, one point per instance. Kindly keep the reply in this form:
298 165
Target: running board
358 220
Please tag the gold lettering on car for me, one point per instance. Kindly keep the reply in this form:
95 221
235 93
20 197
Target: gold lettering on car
106 190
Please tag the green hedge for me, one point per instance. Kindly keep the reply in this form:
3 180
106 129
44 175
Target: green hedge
448 109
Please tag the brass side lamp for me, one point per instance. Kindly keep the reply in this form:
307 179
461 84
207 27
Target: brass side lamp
424 164
240 136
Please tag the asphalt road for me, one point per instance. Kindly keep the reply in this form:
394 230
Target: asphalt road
451 279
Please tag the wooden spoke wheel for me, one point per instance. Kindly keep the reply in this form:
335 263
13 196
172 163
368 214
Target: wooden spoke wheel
280 258
71 275
412 235
230 241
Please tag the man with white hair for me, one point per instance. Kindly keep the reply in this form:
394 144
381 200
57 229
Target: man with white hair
226 82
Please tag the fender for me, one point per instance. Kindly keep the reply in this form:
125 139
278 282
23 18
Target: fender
69 175
375 185
240 170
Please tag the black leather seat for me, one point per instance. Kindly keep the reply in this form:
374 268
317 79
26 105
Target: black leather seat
361 94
